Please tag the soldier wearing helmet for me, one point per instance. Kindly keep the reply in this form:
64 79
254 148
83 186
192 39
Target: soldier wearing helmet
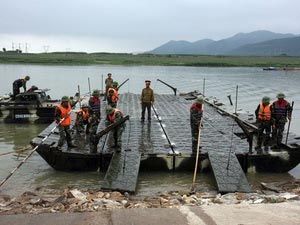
63 118
114 115
264 119
196 112
281 111
108 84
147 99
82 119
94 115
17 84
113 95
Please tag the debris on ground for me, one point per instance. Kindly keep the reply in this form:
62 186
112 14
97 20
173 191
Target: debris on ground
75 200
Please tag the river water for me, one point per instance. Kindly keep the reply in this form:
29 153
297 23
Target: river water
252 84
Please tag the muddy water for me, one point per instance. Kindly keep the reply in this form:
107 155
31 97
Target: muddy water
253 84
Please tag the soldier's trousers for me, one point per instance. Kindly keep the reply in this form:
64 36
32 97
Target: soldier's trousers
64 133
195 133
264 125
118 135
16 90
277 132
144 107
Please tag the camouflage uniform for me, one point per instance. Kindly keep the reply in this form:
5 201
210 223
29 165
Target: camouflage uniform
115 115
95 115
113 96
64 130
265 122
196 113
81 120
281 110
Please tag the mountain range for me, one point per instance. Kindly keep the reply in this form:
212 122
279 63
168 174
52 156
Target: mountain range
264 43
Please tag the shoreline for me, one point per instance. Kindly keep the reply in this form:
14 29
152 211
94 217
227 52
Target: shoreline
127 59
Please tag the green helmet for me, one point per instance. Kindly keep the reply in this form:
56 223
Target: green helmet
27 78
281 95
199 100
65 99
109 109
266 99
96 92
115 84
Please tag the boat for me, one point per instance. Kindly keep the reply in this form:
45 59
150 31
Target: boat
28 107
271 68
165 142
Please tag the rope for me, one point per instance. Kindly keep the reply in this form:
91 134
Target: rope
17 151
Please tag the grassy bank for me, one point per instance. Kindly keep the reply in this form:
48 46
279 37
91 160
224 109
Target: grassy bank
77 58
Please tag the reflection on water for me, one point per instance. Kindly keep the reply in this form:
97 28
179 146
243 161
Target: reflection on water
253 83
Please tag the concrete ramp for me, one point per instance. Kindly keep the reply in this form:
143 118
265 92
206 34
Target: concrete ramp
123 170
228 173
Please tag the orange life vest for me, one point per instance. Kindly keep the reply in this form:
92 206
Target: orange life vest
115 96
85 115
264 112
65 113
112 117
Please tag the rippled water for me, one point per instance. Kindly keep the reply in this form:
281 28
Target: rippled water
253 84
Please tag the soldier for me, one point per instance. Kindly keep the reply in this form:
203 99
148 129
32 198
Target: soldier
265 122
113 95
94 112
94 115
281 110
82 119
147 99
114 115
196 113
17 84
63 111
108 84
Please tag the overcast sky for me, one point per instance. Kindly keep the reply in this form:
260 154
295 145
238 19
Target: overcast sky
136 25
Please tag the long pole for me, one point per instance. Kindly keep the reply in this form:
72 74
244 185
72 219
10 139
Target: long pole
89 86
197 155
79 95
203 89
288 130
33 150
102 84
236 99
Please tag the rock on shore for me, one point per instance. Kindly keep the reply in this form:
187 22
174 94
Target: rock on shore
74 200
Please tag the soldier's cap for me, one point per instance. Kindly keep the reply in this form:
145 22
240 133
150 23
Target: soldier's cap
199 100
148 81
27 78
109 74
266 99
109 109
280 95
65 99
85 106
96 92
